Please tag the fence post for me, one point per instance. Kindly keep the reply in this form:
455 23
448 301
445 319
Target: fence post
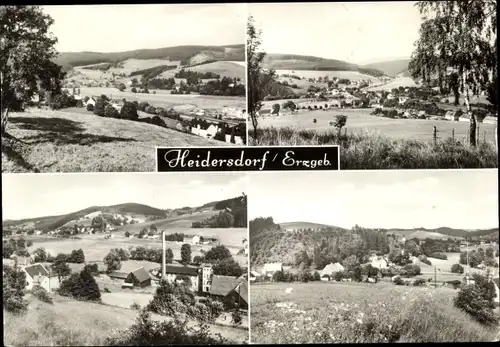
453 135
434 134
484 136
345 132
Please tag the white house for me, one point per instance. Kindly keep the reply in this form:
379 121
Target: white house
212 130
271 268
329 270
37 274
90 101
196 240
452 116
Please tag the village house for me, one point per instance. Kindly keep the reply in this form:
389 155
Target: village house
232 291
174 273
138 278
271 268
37 274
452 116
329 270
253 276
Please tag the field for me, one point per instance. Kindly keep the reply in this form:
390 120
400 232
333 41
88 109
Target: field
95 247
223 68
351 75
63 141
163 98
394 83
73 323
358 120
319 312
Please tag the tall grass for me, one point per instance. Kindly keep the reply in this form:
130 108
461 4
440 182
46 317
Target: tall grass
359 313
370 150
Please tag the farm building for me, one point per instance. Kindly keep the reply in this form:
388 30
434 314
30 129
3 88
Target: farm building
452 116
173 273
195 240
271 268
37 274
253 276
139 278
330 269
231 290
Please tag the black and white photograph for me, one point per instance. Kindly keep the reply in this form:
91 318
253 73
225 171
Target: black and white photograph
96 88
396 84
374 256
126 259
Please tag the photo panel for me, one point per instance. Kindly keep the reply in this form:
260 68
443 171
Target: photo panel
107 259
374 256
379 79
102 97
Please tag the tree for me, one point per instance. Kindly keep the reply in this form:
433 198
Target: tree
258 79
127 234
81 286
227 267
77 256
7 250
27 50
13 283
340 122
121 87
40 255
236 318
112 260
186 253
458 36
169 256
60 267
218 253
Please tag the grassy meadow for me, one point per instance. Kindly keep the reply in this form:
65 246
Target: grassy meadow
372 150
319 312
60 141
73 323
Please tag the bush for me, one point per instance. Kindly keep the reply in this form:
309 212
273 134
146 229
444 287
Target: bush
419 282
397 280
142 106
316 276
106 290
90 107
133 90
99 108
438 255
41 294
135 306
111 112
457 268
290 105
410 270
478 300
150 109
81 286
129 111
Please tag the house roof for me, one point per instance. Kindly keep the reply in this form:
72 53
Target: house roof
331 268
181 270
140 274
273 267
242 289
35 270
117 274
223 285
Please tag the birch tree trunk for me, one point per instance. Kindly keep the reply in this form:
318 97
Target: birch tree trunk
472 117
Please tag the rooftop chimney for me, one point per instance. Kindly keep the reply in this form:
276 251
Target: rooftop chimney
163 261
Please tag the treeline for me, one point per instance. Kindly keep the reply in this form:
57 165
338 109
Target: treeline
226 86
15 247
224 219
488 257
222 261
235 215
190 75
153 71
40 255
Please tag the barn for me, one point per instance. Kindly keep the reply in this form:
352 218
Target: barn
232 291
139 278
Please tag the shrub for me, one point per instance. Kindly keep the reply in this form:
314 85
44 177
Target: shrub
41 294
290 105
236 318
478 300
142 106
410 270
419 282
99 108
106 290
457 268
150 109
111 112
90 107
438 255
129 111
316 276
397 280
81 286
135 306
133 90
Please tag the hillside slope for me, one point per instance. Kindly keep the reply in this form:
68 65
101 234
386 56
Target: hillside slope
304 62
180 53
392 67
79 141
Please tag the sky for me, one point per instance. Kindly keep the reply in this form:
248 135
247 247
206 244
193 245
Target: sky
465 199
38 195
116 28
355 32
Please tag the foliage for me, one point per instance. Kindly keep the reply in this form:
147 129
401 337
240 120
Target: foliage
28 49
186 253
236 318
100 107
60 267
457 268
227 267
477 299
219 252
80 286
460 35
112 261
150 333
129 111
14 281
41 294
